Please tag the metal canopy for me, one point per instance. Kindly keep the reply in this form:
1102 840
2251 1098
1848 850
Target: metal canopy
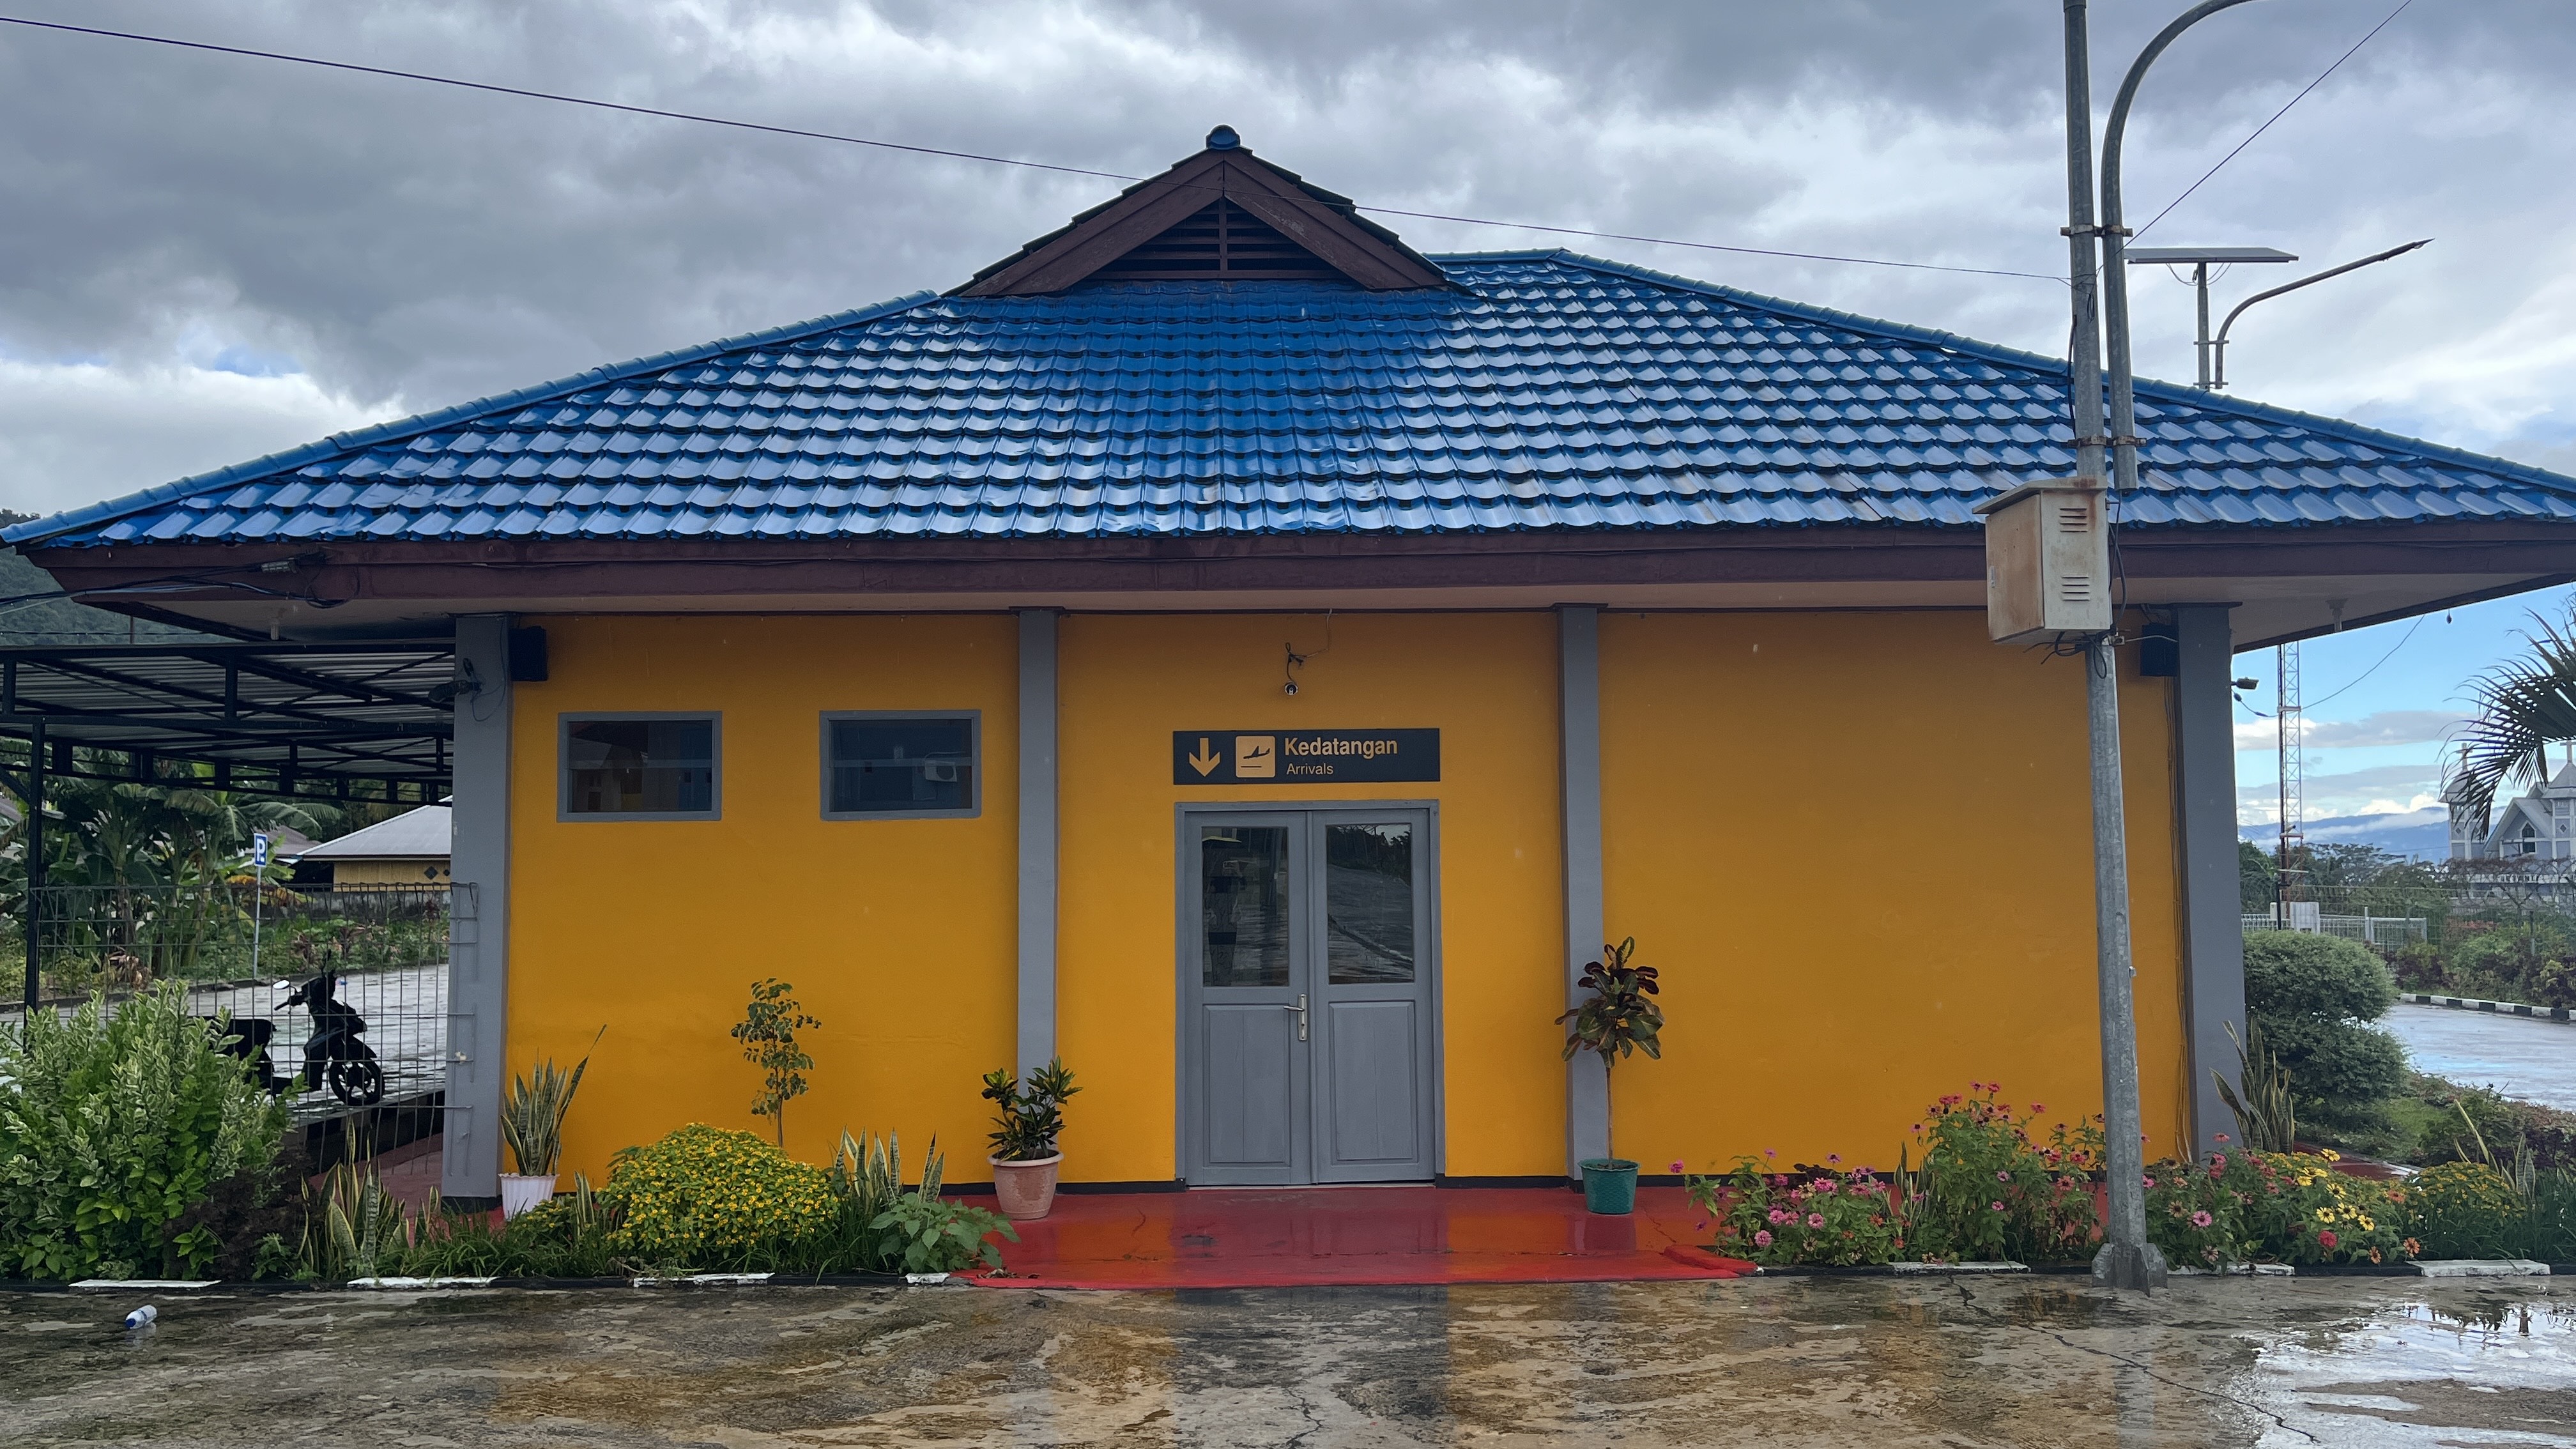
268 717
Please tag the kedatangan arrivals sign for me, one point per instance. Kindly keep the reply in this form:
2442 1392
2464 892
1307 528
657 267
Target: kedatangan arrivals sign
1303 757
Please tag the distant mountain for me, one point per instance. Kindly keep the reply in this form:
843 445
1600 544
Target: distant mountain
60 621
2423 834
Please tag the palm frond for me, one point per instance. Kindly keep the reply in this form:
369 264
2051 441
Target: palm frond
2522 705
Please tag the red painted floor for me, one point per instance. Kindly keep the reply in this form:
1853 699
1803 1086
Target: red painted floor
1287 1237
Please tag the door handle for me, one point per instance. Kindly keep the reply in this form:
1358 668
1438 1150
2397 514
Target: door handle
1300 1009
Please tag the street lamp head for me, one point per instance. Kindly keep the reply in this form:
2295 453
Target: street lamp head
2185 256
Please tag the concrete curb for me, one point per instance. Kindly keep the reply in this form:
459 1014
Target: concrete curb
2499 1008
2483 1268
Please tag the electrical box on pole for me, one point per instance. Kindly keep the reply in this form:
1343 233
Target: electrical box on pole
2048 562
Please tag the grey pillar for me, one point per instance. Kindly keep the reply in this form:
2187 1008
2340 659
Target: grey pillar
479 925
2205 798
1587 1082
1037 839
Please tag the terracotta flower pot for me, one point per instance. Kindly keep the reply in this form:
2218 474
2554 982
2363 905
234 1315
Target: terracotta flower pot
518 1193
1025 1189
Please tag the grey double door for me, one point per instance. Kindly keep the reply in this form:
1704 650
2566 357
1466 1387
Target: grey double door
1308 991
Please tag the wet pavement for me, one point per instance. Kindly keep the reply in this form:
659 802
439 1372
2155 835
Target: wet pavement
1815 1361
2521 1056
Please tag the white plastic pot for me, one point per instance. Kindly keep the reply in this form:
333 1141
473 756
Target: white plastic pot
518 1194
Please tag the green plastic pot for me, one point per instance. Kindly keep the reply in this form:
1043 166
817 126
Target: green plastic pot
1610 1185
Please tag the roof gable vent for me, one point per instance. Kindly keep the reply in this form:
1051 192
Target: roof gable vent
1223 215
1223 242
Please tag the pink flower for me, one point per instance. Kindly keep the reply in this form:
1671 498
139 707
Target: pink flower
1763 1238
2039 1106
1825 1184
2003 1177
1833 1157
1777 1217
2201 1219
1767 1152
2151 1182
2217 1163
1677 1164
1999 1207
2222 1137
2326 1240
1815 1220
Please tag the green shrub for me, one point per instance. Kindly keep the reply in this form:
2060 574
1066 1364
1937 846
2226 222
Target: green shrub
1838 1218
2552 1236
866 1181
2312 995
2464 1210
2508 949
2418 966
2552 983
929 1234
111 1128
568 1237
1988 1190
705 1197
2474 1124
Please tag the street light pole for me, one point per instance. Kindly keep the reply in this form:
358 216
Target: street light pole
2127 1259
2200 259
2218 349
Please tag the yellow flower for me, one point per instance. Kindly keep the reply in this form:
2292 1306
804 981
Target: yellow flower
2325 1215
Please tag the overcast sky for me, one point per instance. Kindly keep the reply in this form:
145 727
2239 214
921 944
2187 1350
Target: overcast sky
210 257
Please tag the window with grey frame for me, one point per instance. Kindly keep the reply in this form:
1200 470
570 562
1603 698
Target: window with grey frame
902 766
639 767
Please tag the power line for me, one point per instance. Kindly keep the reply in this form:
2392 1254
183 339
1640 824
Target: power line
740 125
1713 246
2384 658
2356 679
2276 115
500 90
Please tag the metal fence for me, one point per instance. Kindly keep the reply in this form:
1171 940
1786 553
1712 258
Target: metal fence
346 988
2370 930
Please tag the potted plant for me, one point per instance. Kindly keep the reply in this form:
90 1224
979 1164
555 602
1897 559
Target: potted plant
1027 1119
532 1118
1618 1019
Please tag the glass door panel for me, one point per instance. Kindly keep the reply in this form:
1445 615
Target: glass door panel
1243 905
1368 904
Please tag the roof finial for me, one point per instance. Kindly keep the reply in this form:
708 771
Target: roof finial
1223 138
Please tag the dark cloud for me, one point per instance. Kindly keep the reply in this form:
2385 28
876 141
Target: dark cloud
408 246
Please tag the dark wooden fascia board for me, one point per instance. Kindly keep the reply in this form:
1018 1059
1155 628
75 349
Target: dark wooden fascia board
1327 233
1125 224
621 568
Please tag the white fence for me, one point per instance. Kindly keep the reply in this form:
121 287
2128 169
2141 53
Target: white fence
2368 929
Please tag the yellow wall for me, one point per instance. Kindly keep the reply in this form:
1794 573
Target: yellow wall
1487 682
1854 843
414 873
898 934
1857 848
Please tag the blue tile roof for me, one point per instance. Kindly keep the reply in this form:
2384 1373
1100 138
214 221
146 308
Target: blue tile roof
1552 392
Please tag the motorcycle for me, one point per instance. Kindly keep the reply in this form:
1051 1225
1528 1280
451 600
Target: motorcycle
334 1055
246 1040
